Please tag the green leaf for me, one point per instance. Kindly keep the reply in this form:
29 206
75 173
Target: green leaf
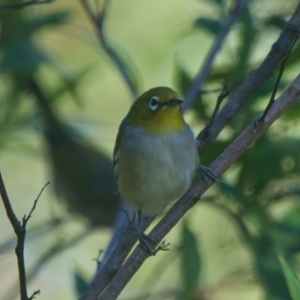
247 40
22 56
40 22
291 278
79 280
217 3
191 262
276 21
210 25
183 82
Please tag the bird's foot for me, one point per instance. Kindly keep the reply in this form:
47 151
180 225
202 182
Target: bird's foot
144 241
163 246
207 173
130 219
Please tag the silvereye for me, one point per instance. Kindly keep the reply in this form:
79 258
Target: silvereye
155 155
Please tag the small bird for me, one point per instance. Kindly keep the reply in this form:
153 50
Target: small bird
155 155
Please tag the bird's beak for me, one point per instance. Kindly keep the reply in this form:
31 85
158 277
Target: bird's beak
174 102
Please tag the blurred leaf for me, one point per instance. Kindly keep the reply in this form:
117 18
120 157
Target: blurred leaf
230 190
182 79
124 59
247 40
218 74
218 4
79 281
70 79
287 232
129 65
215 150
191 262
40 21
276 21
269 269
267 88
291 279
292 112
183 82
293 59
210 25
262 163
22 57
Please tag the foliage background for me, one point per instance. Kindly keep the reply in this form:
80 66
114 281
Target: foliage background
227 246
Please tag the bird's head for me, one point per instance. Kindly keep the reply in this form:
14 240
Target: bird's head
157 111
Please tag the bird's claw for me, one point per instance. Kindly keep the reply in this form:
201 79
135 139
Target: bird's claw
207 173
162 247
144 241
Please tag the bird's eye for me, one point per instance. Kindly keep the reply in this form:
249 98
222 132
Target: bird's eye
154 103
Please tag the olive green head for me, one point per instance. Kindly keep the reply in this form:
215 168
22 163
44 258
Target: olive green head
157 110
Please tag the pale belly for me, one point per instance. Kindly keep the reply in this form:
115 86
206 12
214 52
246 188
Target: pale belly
152 171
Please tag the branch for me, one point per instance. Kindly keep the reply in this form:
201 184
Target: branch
24 4
20 230
194 90
98 24
124 238
35 231
52 251
122 242
220 165
25 219
279 50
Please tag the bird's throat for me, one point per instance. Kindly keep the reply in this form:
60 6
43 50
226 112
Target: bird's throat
166 120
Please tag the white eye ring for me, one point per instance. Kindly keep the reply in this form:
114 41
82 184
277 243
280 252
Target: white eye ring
153 103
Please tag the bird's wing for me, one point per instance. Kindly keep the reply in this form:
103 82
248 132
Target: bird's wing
116 152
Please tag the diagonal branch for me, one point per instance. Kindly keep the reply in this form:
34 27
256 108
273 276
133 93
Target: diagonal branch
195 89
122 242
278 52
219 166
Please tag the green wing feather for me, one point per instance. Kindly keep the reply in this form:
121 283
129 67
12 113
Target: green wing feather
122 127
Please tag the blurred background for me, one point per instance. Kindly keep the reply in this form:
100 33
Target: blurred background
64 89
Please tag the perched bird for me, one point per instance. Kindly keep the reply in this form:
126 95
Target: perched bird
155 155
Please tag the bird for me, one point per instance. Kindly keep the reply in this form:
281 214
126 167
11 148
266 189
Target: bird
155 155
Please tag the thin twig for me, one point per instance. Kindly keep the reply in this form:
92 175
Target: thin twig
243 93
97 259
25 219
52 251
281 69
38 292
194 90
224 93
20 231
220 165
25 4
33 232
97 22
